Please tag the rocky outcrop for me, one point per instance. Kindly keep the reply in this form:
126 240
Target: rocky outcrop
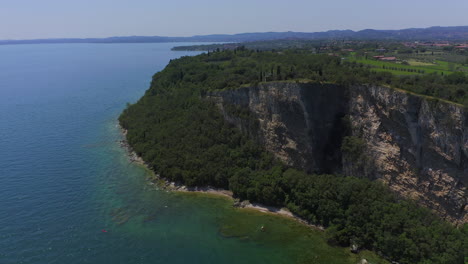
418 146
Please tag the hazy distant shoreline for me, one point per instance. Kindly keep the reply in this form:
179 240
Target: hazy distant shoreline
429 34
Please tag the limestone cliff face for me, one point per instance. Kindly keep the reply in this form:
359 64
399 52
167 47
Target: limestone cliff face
296 122
419 147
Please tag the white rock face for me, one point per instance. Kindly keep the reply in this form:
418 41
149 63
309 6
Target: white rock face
418 146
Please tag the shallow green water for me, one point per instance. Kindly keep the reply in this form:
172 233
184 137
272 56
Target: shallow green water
64 178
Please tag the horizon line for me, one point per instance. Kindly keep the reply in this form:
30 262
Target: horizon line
220 34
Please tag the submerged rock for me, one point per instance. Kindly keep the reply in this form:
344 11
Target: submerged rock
354 248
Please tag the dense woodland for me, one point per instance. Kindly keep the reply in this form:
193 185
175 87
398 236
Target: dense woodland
185 139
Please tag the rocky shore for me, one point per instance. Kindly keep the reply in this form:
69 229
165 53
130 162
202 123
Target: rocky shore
173 186
132 156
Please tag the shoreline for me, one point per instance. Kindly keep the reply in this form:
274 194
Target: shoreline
278 211
175 187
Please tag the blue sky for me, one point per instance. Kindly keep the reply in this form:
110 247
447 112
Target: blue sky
27 19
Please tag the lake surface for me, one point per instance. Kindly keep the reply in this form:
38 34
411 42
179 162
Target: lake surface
64 178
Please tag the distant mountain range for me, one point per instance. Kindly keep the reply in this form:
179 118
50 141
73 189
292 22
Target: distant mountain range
428 34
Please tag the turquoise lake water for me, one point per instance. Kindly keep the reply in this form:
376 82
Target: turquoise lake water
64 177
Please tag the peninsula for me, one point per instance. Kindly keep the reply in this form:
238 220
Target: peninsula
377 158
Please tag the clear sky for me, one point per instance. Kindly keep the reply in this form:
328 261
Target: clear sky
28 19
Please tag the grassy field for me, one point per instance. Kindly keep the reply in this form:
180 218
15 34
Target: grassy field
413 62
440 67
415 65
433 56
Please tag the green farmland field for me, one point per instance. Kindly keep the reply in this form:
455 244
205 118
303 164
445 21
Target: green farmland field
415 67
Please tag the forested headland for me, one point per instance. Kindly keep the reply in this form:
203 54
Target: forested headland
185 139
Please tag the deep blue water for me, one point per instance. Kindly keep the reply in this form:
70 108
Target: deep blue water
64 177
58 110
